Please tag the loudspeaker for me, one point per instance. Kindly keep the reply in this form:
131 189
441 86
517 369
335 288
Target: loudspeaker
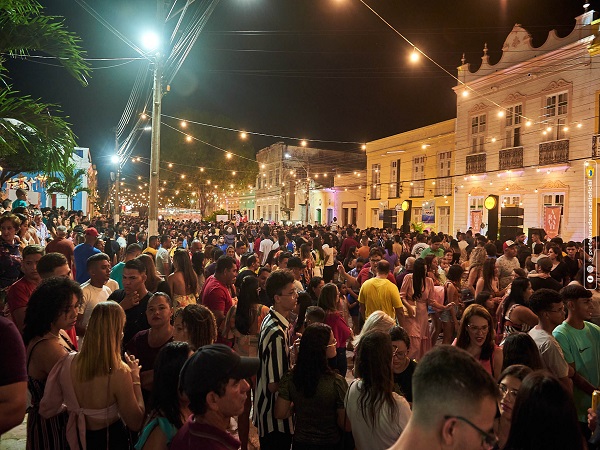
509 232
389 218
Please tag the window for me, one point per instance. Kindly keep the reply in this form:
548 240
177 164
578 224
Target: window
510 200
375 181
512 126
417 187
478 129
258 182
270 214
276 177
270 178
443 185
555 115
417 215
395 187
475 203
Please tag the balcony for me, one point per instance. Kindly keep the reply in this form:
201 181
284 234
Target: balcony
475 163
554 152
417 189
596 146
511 158
443 186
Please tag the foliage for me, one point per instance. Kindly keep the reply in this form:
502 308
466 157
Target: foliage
67 181
418 227
212 217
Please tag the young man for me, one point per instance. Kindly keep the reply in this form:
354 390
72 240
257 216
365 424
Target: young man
132 252
19 292
163 258
153 244
133 298
507 263
580 343
434 249
296 266
548 305
53 265
379 293
273 352
215 294
454 403
62 245
82 252
542 279
214 380
94 290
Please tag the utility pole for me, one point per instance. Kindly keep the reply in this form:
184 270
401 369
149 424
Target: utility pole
155 143
118 180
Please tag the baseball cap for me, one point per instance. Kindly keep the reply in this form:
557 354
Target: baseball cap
91 231
211 364
295 262
507 244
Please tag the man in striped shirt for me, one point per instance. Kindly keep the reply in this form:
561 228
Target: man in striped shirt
273 352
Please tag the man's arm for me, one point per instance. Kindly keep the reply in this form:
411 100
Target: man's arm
581 382
13 403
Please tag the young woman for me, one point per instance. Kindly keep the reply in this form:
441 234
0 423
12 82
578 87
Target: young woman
10 253
154 282
52 308
377 414
520 348
317 393
196 325
488 281
402 365
198 266
97 387
183 282
509 384
328 300
314 289
476 336
476 259
544 416
168 409
26 233
452 288
516 315
560 271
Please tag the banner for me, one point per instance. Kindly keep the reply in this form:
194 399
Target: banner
428 213
552 220
476 219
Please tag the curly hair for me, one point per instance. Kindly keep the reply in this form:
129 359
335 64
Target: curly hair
200 323
312 359
49 301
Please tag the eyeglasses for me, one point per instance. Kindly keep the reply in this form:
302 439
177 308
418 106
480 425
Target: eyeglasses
398 354
507 392
489 439
333 344
475 329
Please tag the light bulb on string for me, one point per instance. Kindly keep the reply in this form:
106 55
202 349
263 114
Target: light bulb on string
414 56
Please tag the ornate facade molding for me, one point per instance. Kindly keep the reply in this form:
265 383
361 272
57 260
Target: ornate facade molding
478 107
555 184
517 96
556 85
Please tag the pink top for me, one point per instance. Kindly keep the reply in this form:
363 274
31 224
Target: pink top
339 327
59 393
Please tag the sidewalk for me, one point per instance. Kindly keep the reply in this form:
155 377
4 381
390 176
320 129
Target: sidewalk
15 438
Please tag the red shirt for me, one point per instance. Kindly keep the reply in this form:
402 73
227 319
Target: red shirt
339 327
216 296
18 294
348 242
194 435
61 245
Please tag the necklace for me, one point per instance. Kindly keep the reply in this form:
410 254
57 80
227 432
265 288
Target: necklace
57 335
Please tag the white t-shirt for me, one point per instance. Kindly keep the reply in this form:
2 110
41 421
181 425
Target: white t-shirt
91 297
266 245
385 432
418 248
550 351
163 257
113 285
122 242
328 254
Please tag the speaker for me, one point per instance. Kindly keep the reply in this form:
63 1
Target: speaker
389 218
509 232
511 221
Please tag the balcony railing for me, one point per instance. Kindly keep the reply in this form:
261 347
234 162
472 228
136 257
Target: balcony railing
596 146
554 152
476 163
511 158
443 186
417 189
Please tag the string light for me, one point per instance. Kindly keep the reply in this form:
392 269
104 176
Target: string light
414 56
183 124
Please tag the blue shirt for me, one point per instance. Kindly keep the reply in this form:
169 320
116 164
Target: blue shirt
82 253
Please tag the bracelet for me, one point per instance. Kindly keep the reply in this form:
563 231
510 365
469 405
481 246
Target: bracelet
137 382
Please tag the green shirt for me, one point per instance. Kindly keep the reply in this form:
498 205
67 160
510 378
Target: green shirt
428 251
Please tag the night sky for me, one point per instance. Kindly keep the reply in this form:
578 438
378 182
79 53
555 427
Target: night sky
321 69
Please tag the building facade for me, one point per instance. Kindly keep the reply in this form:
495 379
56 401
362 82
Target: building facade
417 165
525 131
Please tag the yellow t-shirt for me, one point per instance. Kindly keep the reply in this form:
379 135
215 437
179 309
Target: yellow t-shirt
380 294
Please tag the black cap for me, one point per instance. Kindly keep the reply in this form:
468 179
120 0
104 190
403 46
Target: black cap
295 262
211 364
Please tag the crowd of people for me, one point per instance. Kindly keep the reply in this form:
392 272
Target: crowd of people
322 337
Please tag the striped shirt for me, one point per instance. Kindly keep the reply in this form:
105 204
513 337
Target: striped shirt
273 352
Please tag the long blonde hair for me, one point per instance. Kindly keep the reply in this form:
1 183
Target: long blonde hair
101 350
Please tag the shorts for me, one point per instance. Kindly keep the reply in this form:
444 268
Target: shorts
446 316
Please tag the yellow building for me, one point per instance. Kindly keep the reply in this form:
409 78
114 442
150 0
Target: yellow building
418 166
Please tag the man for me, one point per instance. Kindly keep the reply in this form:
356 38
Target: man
163 259
454 403
214 381
215 294
523 251
195 246
21 200
263 275
153 244
13 377
82 252
368 271
348 242
409 265
53 265
133 298
273 352
240 249
542 278
434 249
282 260
142 240
94 290
379 293
420 245
507 263
548 305
580 343
572 262
364 249
19 292
250 268
111 247
296 266
62 245
40 227
535 239
334 225
132 252
266 245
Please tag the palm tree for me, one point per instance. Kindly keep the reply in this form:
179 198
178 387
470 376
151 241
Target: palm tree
68 183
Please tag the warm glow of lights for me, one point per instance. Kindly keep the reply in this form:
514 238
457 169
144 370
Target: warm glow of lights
183 124
207 181
493 139
325 175
528 123
414 56
465 93
566 129
262 166
243 135
139 178
170 165
303 143
233 173
182 176
579 125
363 147
549 129
501 113
228 155
144 116
188 138
201 169
164 182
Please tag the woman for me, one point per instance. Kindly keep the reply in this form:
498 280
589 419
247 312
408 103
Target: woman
488 281
560 271
377 321
10 252
52 224
97 387
154 282
329 255
417 292
509 384
248 315
318 256
520 348
317 393
390 256
26 233
230 251
147 343
452 290
544 416
433 270
477 258
350 256
402 365
168 408
52 308
328 300
198 266
516 316
314 289
308 260
476 336
196 325
183 282
377 414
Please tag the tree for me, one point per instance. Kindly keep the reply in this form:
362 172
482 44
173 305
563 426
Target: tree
30 130
68 183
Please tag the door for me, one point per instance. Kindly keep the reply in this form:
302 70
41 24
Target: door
329 216
318 218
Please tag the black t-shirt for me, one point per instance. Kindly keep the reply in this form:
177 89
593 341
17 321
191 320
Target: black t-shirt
546 283
560 272
572 266
241 275
136 320
404 380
